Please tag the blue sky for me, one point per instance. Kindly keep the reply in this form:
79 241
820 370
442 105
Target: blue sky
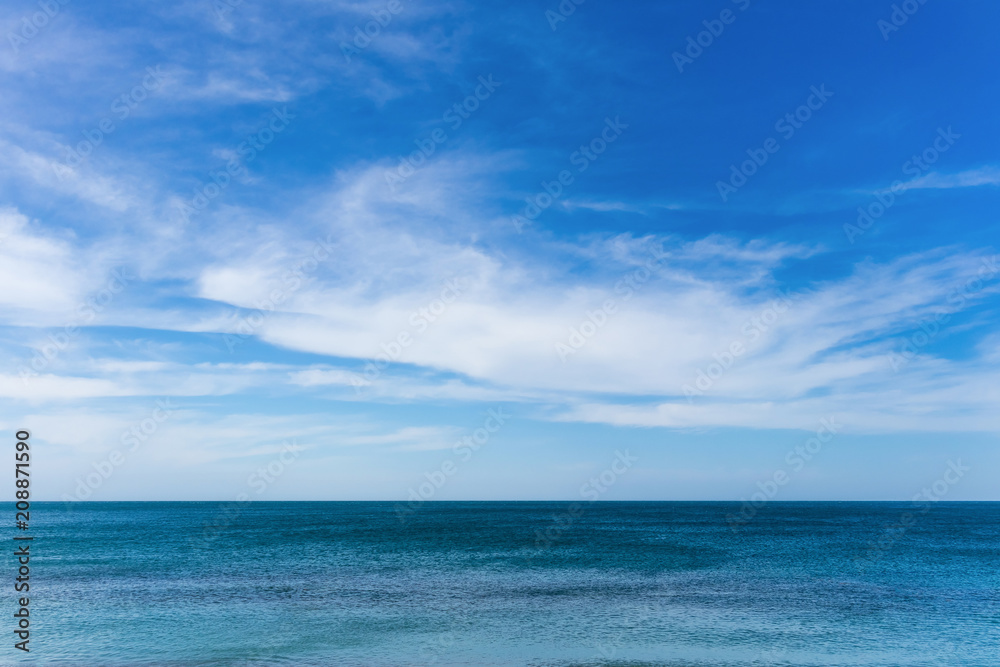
216 217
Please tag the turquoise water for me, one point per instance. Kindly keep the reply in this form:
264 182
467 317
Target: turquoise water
511 584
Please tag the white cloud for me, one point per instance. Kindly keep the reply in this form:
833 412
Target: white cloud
49 387
54 175
381 274
38 269
965 179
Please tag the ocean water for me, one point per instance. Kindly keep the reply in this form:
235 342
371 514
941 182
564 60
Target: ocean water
546 584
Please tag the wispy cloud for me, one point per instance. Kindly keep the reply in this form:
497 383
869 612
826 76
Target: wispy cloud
966 179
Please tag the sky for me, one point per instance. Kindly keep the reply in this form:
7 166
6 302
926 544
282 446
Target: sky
418 251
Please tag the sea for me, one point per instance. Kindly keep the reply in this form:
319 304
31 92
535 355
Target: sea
546 584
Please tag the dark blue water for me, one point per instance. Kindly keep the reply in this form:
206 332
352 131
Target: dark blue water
511 584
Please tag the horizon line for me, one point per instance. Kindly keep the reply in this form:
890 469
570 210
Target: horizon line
582 502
